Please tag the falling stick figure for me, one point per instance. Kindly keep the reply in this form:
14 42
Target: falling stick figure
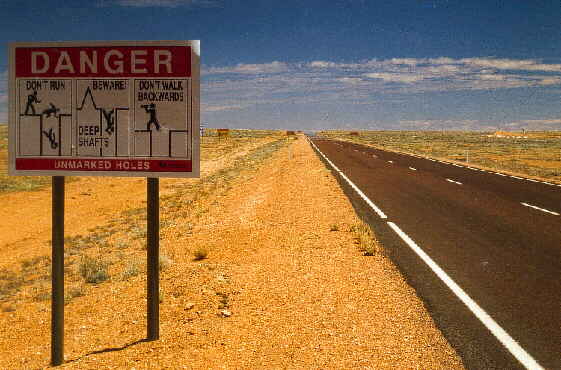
151 109
31 99
108 115
52 110
52 138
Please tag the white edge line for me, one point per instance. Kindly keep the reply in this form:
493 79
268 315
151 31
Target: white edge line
362 195
455 182
540 209
412 169
513 347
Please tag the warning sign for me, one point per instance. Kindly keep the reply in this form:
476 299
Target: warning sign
112 108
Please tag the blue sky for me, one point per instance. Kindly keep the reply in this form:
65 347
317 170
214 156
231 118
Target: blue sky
399 64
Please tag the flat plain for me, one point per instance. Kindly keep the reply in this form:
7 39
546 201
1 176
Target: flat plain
263 264
534 153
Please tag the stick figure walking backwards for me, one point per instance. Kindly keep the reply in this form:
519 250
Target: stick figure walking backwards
31 99
151 109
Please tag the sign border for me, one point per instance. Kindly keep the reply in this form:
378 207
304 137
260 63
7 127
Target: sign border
195 112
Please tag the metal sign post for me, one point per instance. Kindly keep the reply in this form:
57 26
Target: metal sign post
104 108
57 292
153 263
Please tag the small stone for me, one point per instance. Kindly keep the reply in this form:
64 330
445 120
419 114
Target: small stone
225 313
189 306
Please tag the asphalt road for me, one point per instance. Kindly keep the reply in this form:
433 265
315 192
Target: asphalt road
497 237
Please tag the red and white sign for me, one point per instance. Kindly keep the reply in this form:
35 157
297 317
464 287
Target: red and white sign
105 108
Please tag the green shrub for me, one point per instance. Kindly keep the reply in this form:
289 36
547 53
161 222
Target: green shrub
93 270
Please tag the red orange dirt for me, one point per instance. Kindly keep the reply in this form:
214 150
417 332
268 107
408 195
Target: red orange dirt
280 288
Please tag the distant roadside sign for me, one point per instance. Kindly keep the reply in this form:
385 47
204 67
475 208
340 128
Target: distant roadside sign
105 108
223 132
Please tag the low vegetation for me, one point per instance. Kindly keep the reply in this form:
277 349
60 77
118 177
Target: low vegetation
93 269
121 240
19 183
133 267
73 292
365 240
10 283
531 153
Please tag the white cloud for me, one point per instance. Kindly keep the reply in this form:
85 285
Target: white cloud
220 108
322 64
351 80
322 81
550 81
491 77
511 64
405 61
395 77
273 67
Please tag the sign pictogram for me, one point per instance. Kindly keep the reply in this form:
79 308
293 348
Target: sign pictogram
105 108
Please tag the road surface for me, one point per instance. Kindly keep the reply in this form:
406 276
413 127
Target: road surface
496 237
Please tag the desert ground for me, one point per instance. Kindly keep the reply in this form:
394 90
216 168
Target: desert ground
264 264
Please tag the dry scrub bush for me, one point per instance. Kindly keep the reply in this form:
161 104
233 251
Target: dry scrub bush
73 292
10 282
366 240
200 253
93 270
165 262
41 293
132 268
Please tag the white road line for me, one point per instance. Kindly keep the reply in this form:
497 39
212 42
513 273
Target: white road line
516 177
362 195
412 169
457 165
500 174
513 347
540 209
547 183
532 180
455 182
